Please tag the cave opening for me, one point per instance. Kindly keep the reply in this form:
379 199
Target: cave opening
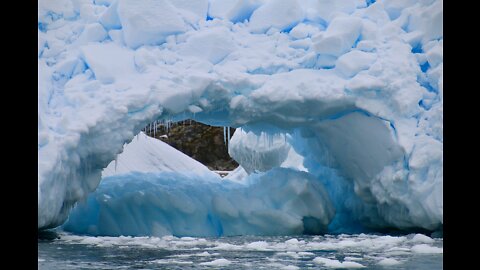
204 143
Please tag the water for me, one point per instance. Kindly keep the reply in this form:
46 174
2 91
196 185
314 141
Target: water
241 252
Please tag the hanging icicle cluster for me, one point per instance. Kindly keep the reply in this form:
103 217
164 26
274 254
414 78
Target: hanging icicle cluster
153 128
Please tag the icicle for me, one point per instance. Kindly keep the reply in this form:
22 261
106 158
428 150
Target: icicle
154 128
225 135
228 136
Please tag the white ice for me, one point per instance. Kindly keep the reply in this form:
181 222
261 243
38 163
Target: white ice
357 86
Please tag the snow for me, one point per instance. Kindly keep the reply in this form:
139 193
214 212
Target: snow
148 22
108 62
281 15
353 62
356 90
302 30
212 45
109 19
92 32
148 155
233 10
339 37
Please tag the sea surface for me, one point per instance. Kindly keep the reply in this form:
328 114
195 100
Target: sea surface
369 251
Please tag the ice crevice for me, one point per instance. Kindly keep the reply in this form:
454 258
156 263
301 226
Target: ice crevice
344 113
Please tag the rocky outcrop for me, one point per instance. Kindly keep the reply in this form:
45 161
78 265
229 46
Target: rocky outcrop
201 142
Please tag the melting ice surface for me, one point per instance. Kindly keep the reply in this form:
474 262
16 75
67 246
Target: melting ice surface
413 251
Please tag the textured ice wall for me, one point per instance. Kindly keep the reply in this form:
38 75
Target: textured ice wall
170 203
108 68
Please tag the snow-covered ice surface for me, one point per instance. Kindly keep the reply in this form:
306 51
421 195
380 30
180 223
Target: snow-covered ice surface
355 88
148 155
244 252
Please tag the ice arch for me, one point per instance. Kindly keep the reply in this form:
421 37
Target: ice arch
360 88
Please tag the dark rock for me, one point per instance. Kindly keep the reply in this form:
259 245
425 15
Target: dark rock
199 141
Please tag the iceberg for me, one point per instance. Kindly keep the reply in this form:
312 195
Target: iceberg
181 204
354 88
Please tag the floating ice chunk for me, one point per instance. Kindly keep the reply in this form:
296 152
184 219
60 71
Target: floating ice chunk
426 249
336 264
281 15
258 245
339 37
421 238
217 262
353 62
91 241
293 241
388 262
148 22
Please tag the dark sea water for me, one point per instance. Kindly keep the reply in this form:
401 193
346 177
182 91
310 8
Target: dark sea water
368 251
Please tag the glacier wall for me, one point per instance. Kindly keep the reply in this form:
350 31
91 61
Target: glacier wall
357 85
